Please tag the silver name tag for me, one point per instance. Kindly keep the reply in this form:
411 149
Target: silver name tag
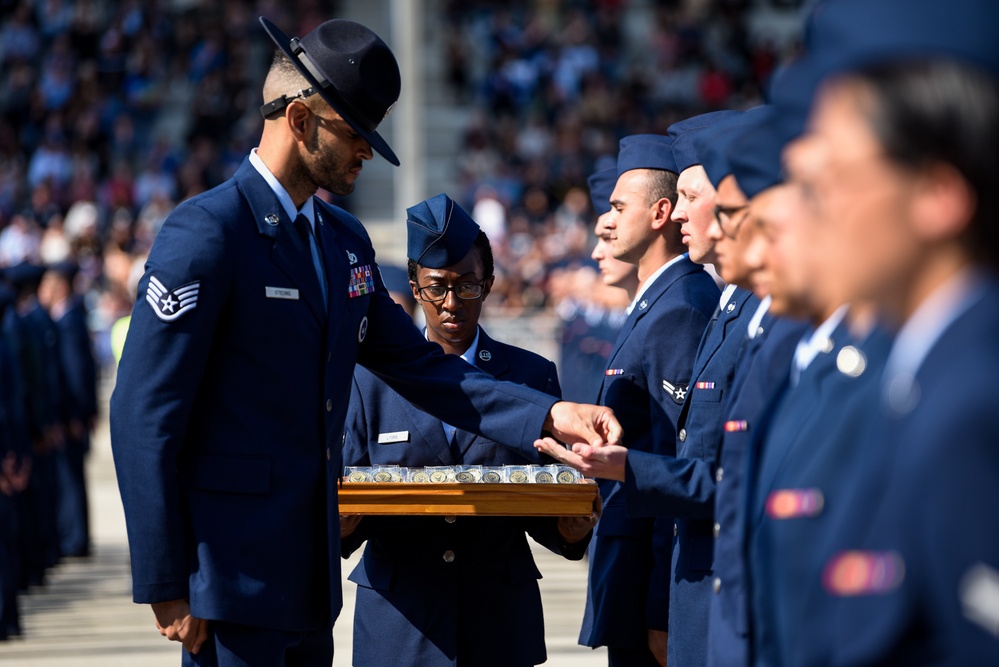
281 293
395 436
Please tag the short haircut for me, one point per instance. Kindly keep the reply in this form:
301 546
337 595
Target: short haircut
661 184
485 255
283 78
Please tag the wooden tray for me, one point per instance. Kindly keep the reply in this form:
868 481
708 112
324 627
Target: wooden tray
468 499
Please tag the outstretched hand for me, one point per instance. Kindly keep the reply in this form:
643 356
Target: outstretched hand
582 423
604 462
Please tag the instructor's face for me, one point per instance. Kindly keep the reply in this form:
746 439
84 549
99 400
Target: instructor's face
334 152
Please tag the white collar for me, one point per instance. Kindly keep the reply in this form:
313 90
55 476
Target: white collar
469 354
819 341
933 316
725 296
761 310
308 209
652 279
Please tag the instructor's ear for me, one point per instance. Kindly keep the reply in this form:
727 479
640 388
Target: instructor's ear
298 115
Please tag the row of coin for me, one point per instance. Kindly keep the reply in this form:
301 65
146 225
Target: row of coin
526 474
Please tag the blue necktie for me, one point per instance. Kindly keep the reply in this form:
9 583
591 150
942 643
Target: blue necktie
304 229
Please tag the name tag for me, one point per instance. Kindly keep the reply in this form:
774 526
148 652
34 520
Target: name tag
281 293
395 436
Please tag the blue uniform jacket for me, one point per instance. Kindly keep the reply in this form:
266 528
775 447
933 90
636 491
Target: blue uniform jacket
227 418
645 383
76 354
765 363
413 607
920 529
682 488
802 490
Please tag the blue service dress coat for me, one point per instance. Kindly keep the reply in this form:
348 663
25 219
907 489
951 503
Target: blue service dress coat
481 605
681 488
645 383
762 370
911 569
227 418
806 458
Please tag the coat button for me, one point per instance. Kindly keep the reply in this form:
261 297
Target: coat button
448 556
450 518
329 405
716 585
676 530
329 455
329 357
719 475
683 435
717 530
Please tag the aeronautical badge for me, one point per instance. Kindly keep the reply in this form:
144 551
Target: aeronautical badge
352 258
677 392
362 281
169 304
794 504
855 573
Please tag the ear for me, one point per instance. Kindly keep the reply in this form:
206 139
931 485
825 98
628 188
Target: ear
488 287
662 211
298 117
416 290
943 204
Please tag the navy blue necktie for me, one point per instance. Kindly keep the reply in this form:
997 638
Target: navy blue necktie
304 229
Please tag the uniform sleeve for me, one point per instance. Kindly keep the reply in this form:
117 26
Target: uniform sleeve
162 364
445 386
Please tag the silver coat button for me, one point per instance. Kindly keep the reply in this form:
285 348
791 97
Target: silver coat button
329 405
329 454
716 585
448 556
676 529
450 518
719 475
683 435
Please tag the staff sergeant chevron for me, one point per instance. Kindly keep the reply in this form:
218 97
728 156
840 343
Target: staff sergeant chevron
169 304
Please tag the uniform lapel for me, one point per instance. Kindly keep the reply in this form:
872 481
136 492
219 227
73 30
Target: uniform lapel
288 252
655 291
490 358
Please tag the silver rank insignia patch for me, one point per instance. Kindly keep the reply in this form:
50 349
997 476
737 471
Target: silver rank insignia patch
677 392
169 304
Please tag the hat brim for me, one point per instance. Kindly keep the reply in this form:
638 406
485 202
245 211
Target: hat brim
283 42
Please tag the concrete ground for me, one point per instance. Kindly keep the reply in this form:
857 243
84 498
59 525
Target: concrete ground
84 617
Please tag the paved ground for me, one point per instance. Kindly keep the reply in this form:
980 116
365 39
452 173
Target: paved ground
84 617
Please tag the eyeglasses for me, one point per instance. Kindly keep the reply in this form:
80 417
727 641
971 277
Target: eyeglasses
725 217
464 291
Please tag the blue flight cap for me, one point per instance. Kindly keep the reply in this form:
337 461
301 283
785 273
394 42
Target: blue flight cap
601 187
684 131
847 35
711 144
440 232
646 151
754 153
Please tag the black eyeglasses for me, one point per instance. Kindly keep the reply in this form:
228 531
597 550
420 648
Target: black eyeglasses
464 291
725 217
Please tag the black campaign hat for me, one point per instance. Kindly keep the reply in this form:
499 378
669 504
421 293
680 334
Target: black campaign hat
351 67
